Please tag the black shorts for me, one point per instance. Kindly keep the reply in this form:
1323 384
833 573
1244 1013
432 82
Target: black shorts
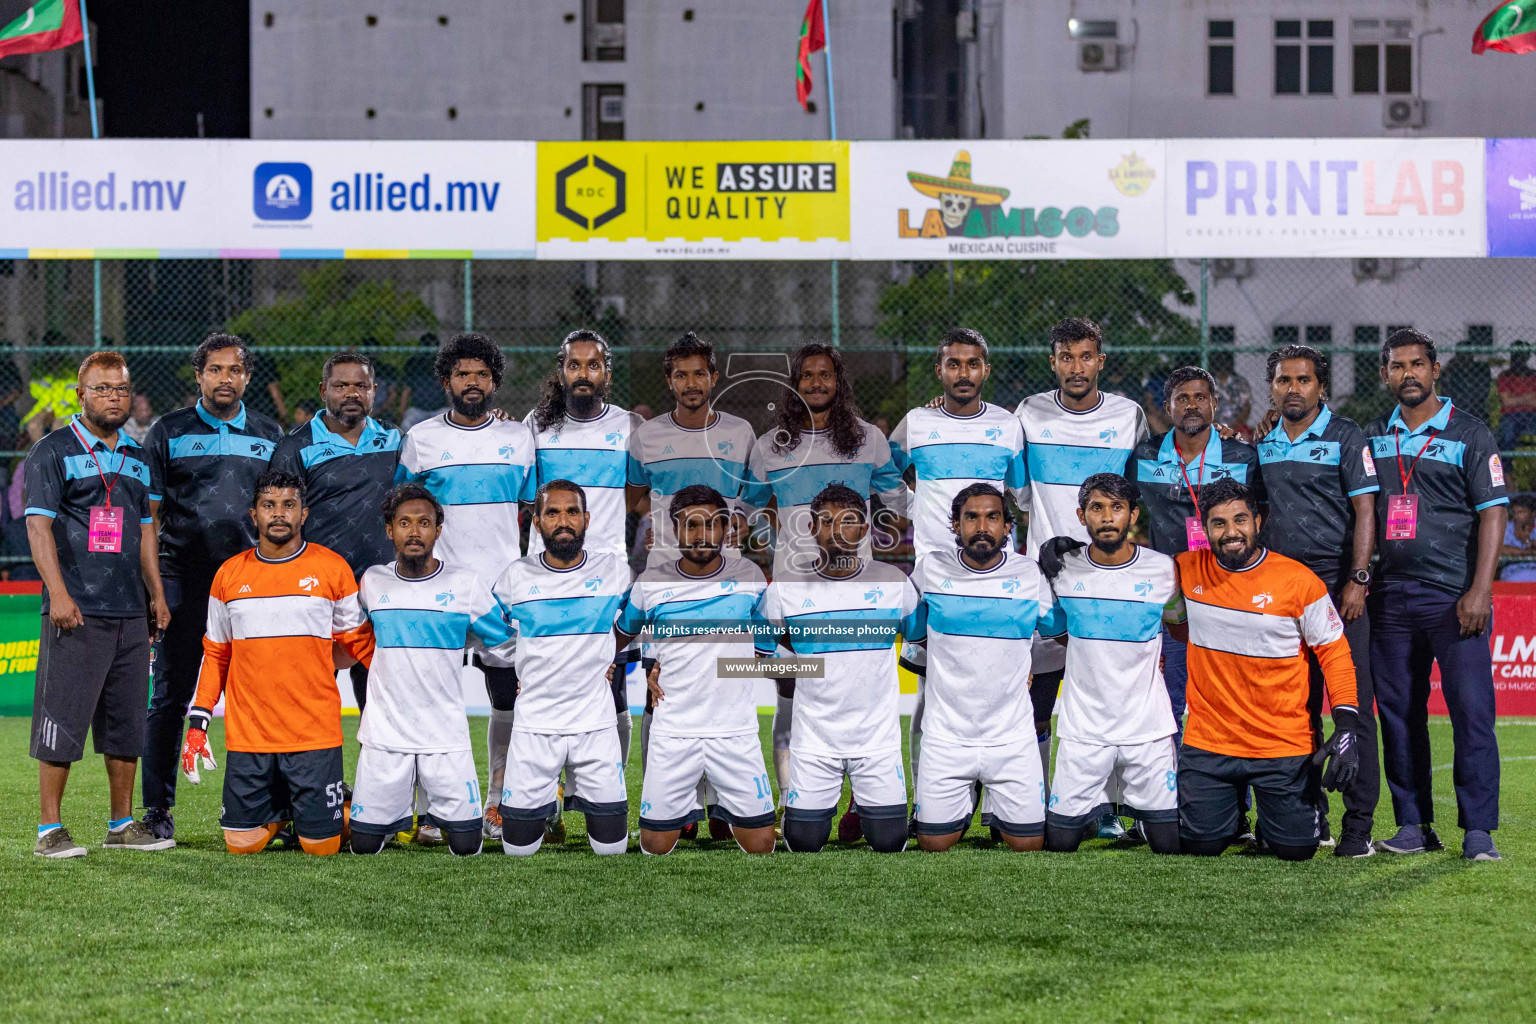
500 683
1043 689
304 788
96 677
1211 788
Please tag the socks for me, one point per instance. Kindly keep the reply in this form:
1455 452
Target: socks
117 825
522 851
43 830
626 724
608 849
498 735
1044 741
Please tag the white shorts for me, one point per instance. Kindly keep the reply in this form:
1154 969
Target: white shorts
816 784
733 765
1014 798
386 784
594 767
1090 778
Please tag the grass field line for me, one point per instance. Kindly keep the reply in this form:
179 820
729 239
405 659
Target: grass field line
1502 760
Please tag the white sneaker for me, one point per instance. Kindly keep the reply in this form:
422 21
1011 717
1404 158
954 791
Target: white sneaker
428 835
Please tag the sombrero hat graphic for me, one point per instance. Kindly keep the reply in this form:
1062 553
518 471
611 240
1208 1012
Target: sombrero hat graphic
958 183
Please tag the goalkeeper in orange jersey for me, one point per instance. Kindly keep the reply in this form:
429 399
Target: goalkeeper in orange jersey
273 615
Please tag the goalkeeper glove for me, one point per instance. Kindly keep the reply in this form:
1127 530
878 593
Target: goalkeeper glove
1342 750
196 749
1052 552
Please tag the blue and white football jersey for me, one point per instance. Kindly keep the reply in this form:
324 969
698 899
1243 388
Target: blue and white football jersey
1066 447
593 453
698 701
420 629
1113 693
796 476
564 623
980 627
479 474
851 623
666 458
949 453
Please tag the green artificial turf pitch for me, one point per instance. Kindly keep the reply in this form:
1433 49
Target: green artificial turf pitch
710 934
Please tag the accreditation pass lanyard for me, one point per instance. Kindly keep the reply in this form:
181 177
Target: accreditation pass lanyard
1194 529
105 534
1403 509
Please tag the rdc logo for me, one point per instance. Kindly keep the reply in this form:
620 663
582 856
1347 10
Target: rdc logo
283 191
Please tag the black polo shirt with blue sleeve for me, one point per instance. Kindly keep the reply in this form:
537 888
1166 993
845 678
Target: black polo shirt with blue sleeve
1456 473
1160 473
64 480
345 487
1310 483
202 470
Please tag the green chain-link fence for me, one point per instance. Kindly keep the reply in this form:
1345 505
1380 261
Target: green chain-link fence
1157 314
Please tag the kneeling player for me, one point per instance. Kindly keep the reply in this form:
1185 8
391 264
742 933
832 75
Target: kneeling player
563 603
1115 722
845 611
705 725
273 615
414 732
982 606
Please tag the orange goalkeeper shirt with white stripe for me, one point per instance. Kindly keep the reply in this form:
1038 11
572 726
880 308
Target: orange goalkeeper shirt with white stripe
268 648
1249 632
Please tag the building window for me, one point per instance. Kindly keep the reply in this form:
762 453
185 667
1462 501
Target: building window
602 30
1382 51
1320 336
1219 78
1304 57
602 113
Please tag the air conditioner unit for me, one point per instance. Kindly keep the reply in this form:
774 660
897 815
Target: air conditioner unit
1234 269
1402 112
1372 268
1097 55
607 34
610 109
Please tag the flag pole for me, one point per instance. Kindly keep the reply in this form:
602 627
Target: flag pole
90 90
826 31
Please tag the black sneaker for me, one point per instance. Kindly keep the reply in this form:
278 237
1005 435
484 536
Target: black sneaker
286 837
1355 842
159 821
1411 839
1478 845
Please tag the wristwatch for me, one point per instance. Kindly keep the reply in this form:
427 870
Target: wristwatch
1361 576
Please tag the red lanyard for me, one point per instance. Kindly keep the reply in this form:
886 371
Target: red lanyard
1194 493
1398 444
89 450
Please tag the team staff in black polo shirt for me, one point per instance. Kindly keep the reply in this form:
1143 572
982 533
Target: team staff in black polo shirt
1321 482
93 540
1441 514
347 461
203 464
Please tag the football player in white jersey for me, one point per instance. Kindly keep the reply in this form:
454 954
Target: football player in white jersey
846 611
1070 434
818 440
479 467
563 603
941 449
1117 743
981 605
706 724
414 733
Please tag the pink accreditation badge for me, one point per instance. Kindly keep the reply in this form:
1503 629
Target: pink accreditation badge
1402 516
1194 533
106 530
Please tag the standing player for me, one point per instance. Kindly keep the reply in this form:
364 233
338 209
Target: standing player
1253 615
414 733
346 460
848 722
478 467
273 614
1117 723
563 604
203 463
1070 434
706 723
983 606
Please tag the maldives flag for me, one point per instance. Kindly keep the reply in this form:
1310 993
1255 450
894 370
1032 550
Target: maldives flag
47 25
813 37
1511 28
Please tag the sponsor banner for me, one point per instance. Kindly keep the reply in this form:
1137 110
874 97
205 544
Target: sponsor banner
1514 653
1039 199
1511 187
1325 197
693 200
256 199
20 621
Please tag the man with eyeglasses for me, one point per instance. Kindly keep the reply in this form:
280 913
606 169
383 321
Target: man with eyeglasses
347 461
